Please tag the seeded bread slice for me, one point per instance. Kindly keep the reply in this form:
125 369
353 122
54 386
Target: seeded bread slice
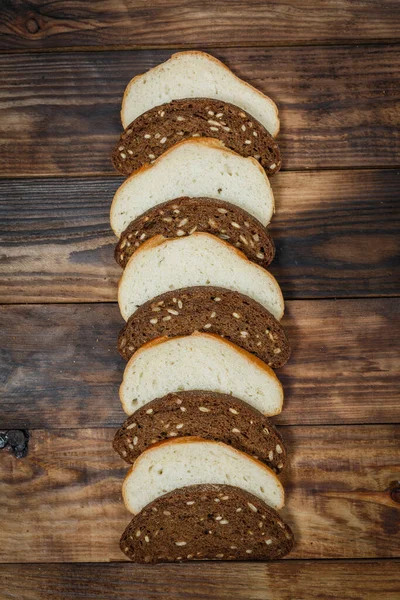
208 415
200 259
180 462
199 362
228 314
198 167
184 216
206 522
159 128
195 74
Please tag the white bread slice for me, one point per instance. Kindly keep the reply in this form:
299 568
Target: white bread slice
198 167
164 264
191 461
200 361
195 74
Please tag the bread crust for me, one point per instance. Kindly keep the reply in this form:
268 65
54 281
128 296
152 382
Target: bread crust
246 355
193 440
175 57
159 240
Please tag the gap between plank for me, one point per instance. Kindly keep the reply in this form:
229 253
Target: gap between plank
116 175
305 299
278 425
130 564
205 47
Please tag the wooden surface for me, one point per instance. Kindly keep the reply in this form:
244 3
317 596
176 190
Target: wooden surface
338 489
139 23
344 366
284 580
333 69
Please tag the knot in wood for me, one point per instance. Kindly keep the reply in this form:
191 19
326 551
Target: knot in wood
395 491
32 26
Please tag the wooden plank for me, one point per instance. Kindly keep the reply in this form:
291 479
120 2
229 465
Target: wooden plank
338 105
57 245
60 366
68 491
284 580
67 24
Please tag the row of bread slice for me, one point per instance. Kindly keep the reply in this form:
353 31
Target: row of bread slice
142 252
191 438
188 363
182 250
169 287
194 95
180 442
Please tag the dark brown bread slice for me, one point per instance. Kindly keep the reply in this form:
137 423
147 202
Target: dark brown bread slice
229 314
206 522
204 414
151 134
184 216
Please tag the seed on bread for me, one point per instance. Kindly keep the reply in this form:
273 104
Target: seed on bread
196 311
149 128
228 413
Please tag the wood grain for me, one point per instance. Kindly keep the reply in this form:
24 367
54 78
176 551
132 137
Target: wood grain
138 23
284 580
68 489
60 366
339 106
57 246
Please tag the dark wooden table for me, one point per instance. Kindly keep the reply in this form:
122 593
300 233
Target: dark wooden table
333 67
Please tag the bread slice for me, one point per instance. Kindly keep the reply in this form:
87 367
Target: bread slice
223 418
184 216
206 522
184 461
231 315
199 362
159 128
195 74
161 265
199 167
